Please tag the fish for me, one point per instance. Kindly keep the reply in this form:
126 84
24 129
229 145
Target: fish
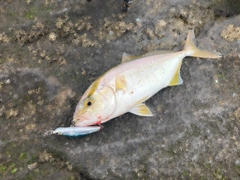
125 87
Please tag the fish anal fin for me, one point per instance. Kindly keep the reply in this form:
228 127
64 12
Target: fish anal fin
177 79
120 83
141 110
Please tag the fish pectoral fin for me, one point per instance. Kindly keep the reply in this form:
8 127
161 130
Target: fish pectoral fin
141 110
120 83
177 79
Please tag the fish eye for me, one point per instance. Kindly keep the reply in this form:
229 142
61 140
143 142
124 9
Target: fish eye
89 103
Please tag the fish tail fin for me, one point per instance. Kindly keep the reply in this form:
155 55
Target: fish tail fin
196 52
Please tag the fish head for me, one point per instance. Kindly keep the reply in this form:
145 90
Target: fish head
95 108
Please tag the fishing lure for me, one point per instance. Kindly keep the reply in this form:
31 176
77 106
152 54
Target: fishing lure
75 131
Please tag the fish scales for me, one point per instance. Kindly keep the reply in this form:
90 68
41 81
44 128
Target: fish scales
144 79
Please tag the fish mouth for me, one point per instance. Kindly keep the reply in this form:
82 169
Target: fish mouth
80 121
85 122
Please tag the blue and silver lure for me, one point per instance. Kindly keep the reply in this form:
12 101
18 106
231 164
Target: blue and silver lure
76 131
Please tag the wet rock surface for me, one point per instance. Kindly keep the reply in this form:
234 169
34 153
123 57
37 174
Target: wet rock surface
50 52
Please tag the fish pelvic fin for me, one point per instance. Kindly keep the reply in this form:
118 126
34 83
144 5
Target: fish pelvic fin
177 79
196 52
141 110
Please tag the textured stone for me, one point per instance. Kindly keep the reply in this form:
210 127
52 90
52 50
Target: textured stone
50 52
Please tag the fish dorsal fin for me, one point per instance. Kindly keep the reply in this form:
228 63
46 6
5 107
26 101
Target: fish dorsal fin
177 79
141 110
128 57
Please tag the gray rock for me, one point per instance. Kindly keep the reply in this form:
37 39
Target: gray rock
50 52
